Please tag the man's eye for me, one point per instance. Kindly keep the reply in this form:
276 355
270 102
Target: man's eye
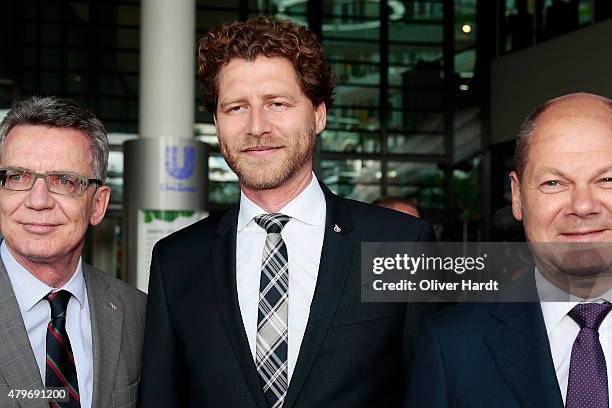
552 186
606 182
17 178
234 109
65 181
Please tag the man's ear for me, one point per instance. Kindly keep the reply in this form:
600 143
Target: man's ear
99 204
517 206
320 118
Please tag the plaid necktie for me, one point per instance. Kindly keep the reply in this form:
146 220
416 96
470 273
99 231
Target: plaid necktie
272 333
61 370
588 378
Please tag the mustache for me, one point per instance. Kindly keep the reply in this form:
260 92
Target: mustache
258 144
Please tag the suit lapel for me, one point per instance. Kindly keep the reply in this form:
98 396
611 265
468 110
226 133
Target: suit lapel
334 266
521 349
106 325
224 267
18 365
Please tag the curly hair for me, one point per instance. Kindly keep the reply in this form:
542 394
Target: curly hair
265 36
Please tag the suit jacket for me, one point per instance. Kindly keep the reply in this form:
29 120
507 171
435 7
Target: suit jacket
485 355
196 351
117 336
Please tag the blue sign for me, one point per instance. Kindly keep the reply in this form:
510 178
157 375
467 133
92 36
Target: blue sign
189 162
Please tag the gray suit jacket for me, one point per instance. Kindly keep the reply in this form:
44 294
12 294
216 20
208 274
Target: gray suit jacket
117 325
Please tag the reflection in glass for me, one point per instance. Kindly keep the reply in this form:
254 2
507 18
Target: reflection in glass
350 141
353 118
223 185
416 121
352 96
416 143
417 182
519 25
356 179
352 49
355 71
416 98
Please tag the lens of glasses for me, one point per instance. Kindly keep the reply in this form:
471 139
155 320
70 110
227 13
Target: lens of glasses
68 184
13 179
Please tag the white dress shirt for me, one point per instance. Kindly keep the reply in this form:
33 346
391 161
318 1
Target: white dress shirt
303 236
562 330
36 314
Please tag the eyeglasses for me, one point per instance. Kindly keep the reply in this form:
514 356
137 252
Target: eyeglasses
70 184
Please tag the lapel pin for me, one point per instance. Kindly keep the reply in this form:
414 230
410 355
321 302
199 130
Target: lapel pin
113 306
337 228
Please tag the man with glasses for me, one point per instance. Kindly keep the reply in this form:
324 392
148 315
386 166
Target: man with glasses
63 324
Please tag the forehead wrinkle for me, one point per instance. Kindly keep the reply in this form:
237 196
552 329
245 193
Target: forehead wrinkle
558 172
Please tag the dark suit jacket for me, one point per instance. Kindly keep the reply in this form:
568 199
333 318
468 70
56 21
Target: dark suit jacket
196 352
485 355
117 335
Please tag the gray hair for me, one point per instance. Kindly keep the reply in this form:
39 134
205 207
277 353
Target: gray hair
56 112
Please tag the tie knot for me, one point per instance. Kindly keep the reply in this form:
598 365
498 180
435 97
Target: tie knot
272 223
59 302
590 314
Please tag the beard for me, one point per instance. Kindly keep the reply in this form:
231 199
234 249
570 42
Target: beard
264 173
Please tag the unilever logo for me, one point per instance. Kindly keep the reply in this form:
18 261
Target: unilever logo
189 161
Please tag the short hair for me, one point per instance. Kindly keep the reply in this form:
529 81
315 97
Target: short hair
527 129
265 36
56 112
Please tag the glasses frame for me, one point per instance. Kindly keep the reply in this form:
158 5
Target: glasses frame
85 182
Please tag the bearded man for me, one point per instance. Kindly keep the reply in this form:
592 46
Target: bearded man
261 306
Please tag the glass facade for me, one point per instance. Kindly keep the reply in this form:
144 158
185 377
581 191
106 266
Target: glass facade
526 22
407 118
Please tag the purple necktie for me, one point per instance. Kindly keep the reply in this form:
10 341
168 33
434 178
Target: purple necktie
588 377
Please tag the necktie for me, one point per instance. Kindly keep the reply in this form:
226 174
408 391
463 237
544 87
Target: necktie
588 378
272 333
61 370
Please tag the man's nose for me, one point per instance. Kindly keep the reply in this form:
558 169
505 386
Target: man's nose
584 201
39 197
259 123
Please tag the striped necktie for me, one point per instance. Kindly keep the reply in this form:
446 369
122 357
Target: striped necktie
61 370
272 332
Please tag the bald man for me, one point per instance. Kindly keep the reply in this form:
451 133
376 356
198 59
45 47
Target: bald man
535 354
397 204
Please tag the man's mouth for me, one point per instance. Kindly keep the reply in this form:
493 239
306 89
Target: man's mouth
259 151
583 234
38 227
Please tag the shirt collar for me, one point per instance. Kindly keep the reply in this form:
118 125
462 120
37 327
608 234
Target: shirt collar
29 290
308 207
554 309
